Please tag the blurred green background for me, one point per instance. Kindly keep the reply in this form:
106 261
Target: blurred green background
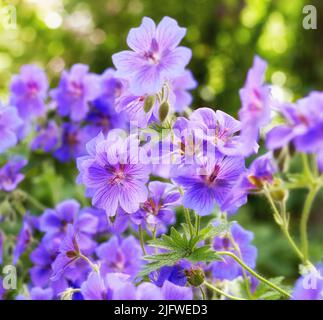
224 36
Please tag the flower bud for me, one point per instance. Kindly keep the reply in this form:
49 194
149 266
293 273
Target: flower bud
149 103
277 191
195 276
163 111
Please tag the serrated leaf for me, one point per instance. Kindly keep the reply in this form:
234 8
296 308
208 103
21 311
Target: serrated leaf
211 231
205 254
177 238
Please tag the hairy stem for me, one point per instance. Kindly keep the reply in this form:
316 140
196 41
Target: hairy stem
141 237
188 221
222 293
304 220
255 274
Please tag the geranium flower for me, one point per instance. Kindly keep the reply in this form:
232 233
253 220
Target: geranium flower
76 89
29 91
156 56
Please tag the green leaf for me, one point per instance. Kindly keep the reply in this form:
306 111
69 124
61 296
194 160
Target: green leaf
210 231
205 254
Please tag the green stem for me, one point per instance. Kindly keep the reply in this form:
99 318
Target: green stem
142 242
304 220
222 293
281 221
92 265
197 224
188 221
203 293
255 274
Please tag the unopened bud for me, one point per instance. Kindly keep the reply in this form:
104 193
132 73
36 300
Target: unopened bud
277 191
163 111
195 276
149 103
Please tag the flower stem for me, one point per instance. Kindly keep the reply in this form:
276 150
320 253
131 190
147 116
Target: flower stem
202 293
197 224
222 293
188 221
255 274
281 221
91 264
141 237
304 220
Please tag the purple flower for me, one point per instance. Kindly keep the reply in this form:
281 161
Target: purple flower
218 129
310 285
158 210
9 125
174 274
120 255
156 56
112 176
116 286
47 137
209 185
10 175
54 222
76 90
29 91
103 115
68 253
171 291
260 172
72 142
239 244
255 110
24 238
94 288
180 85
303 126
42 258
38 293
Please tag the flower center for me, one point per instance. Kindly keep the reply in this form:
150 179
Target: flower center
76 89
212 177
32 89
152 54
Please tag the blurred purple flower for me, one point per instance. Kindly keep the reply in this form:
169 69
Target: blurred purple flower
77 88
47 137
174 274
29 91
116 286
10 175
303 127
54 222
9 125
260 172
239 244
38 293
180 86
68 253
156 56
72 142
255 110
120 255
24 238
113 176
